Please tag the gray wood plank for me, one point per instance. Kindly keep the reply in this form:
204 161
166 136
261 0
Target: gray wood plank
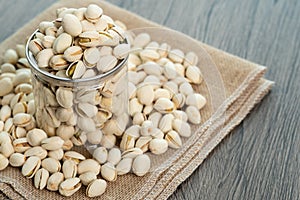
260 158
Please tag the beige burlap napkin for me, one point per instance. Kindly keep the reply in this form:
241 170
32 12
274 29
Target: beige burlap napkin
231 85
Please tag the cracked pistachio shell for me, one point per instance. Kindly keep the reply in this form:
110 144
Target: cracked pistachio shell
109 172
132 153
35 46
69 186
36 151
69 169
193 115
57 62
73 53
145 94
47 41
6 86
30 167
141 165
54 181
196 100
106 63
62 42
143 143
193 74
43 57
164 105
162 93
88 165
73 155
100 154
93 13
52 143
87 177
181 127
173 139
35 136
76 70
179 100
3 162
64 97
21 145
176 55
51 165
114 156
71 25
96 188
158 146
89 39
41 178
124 166
17 159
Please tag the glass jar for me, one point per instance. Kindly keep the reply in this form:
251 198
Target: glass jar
82 110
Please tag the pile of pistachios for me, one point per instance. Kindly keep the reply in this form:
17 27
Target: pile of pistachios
39 131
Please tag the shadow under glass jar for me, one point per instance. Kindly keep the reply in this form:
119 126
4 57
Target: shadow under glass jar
81 110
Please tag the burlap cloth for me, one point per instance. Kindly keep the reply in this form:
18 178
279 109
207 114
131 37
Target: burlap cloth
232 86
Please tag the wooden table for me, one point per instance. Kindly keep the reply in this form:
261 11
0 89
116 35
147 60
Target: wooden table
260 158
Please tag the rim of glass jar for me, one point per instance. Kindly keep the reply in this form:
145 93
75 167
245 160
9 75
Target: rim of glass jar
67 81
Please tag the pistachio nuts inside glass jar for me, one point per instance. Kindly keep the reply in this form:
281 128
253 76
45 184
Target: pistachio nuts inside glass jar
80 89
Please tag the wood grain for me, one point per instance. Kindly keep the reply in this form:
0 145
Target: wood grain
260 158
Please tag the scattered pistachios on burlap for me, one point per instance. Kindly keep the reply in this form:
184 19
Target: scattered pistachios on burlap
162 104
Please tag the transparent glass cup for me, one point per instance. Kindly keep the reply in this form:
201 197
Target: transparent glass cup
80 109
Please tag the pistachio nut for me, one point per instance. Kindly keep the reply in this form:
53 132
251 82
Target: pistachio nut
124 166
6 86
176 55
179 100
76 70
87 177
30 167
114 156
132 153
173 139
143 143
21 145
69 186
190 59
158 146
186 89
36 151
108 141
41 178
100 154
141 165
56 154
164 105
52 143
145 94
71 25
43 57
194 74
54 181
69 169
17 159
196 100
35 136
3 162
73 155
51 165
181 127
64 97
141 40
93 13
88 165
165 124
109 172
5 113
62 42
193 114
57 62
94 137
91 56
155 118
106 63
96 188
